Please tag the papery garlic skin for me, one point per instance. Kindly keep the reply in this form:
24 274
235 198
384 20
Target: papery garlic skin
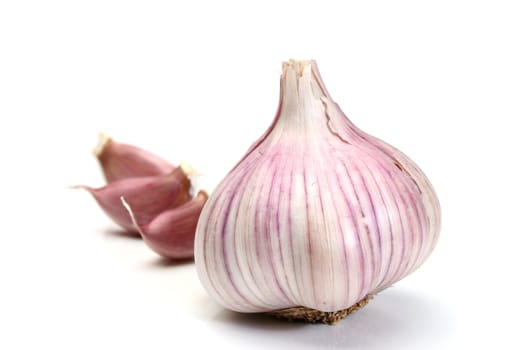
120 161
317 214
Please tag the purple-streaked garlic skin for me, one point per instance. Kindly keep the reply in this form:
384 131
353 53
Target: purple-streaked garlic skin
171 234
149 196
119 160
317 214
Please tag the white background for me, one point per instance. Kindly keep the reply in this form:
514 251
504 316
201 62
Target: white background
444 81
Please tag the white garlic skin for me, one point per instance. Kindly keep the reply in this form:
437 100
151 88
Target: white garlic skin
317 213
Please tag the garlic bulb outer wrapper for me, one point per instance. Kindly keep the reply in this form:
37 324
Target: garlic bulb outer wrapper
317 214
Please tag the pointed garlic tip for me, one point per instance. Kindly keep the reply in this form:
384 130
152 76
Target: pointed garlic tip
171 234
188 169
194 177
103 141
298 65
317 216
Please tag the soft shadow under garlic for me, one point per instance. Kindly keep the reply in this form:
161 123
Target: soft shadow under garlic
120 233
395 319
162 262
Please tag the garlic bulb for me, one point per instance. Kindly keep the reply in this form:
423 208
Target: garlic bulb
317 216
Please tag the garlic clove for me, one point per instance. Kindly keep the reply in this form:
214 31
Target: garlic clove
171 234
317 215
149 196
119 160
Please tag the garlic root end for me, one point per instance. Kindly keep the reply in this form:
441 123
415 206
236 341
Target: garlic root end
307 315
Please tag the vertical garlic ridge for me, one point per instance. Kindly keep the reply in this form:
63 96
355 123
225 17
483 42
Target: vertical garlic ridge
364 236
259 253
346 130
432 211
291 265
252 247
396 230
384 226
368 212
335 298
369 144
353 252
352 203
234 246
215 271
301 231
407 229
274 230
371 202
427 196
320 265
214 262
344 291
414 212
400 202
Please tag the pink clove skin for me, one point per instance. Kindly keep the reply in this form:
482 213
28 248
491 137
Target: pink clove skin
171 234
149 196
120 161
